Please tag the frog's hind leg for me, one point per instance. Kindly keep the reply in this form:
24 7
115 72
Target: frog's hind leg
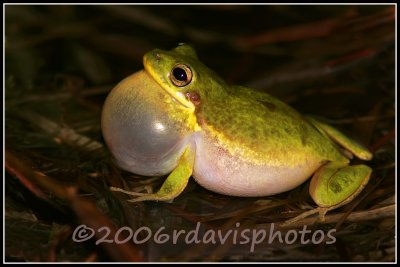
173 185
336 184
349 144
332 186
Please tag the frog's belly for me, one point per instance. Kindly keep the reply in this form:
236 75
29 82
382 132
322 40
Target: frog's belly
223 173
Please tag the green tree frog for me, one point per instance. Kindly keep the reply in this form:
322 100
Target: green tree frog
178 117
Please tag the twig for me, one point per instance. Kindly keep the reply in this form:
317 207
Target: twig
64 134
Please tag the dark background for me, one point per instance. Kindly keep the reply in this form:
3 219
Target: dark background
61 61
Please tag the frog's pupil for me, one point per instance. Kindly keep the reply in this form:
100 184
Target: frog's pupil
180 74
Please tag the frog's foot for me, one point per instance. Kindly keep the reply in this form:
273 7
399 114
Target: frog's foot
299 217
335 184
319 210
173 185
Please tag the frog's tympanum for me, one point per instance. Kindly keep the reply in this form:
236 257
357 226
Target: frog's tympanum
178 117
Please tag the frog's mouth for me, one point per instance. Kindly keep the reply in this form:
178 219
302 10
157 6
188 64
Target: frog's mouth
178 96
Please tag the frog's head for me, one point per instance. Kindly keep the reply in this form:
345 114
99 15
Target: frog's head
148 117
180 73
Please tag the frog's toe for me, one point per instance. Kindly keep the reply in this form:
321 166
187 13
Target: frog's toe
131 193
336 183
139 197
151 197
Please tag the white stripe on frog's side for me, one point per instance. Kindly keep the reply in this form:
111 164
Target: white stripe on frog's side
220 172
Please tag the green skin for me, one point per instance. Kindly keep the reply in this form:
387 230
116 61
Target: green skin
253 128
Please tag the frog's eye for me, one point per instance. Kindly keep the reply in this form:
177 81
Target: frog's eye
181 75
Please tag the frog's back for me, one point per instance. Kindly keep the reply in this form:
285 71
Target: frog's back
258 126
256 145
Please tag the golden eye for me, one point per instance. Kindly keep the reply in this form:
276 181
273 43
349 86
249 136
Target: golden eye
181 75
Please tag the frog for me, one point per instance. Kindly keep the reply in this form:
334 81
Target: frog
177 117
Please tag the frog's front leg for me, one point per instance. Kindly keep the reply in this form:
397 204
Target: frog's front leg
174 184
